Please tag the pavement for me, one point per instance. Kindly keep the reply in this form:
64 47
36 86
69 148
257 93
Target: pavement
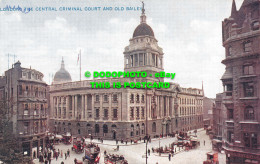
135 153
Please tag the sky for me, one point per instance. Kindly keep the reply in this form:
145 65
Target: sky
189 31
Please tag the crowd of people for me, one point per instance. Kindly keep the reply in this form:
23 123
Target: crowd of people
50 153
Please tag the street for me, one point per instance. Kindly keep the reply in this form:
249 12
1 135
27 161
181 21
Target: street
135 153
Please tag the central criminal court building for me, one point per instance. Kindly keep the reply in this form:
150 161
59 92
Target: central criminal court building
113 113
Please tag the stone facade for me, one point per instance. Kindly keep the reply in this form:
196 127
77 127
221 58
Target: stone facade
241 38
126 113
24 93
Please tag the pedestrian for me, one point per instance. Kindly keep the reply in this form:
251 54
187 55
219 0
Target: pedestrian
50 161
126 142
56 157
204 142
149 152
152 149
68 153
105 152
170 157
75 161
61 154
117 148
65 156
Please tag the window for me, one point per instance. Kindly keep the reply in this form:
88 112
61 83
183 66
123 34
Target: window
144 59
230 137
105 98
248 70
250 140
97 98
247 46
254 140
132 98
142 112
248 89
105 113
230 51
20 90
136 60
249 113
230 113
132 60
132 112
142 98
97 113
154 127
115 97
140 59
26 127
96 128
105 128
137 112
114 113
26 111
137 98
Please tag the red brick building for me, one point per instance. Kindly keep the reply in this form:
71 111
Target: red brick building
241 81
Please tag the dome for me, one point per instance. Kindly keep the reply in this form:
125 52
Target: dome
62 75
143 29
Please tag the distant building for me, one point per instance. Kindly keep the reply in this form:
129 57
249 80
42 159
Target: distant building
112 113
208 105
24 93
241 134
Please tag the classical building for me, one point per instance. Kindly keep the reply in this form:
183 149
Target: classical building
241 37
24 94
124 113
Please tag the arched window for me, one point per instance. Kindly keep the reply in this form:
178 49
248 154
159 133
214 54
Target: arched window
96 128
249 113
105 128
154 127
113 126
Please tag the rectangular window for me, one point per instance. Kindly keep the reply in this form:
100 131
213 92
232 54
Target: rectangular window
20 90
136 60
114 113
247 46
153 59
144 59
248 89
247 139
137 112
254 140
132 113
230 137
106 113
248 70
115 97
97 98
132 60
142 112
140 59
97 113
105 98
230 113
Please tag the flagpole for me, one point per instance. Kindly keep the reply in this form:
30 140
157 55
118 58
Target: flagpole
80 66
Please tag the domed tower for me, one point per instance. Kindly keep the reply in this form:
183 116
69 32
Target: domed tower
62 75
143 52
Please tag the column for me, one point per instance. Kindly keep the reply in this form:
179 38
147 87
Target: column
101 106
57 106
73 106
61 108
86 106
93 106
82 106
110 107
76 106
67 107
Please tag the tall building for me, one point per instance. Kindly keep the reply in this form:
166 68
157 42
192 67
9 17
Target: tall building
241 37
24 94
124 113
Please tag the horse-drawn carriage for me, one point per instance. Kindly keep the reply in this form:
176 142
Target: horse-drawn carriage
67 138
115 159
92 153
78 144
212 158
